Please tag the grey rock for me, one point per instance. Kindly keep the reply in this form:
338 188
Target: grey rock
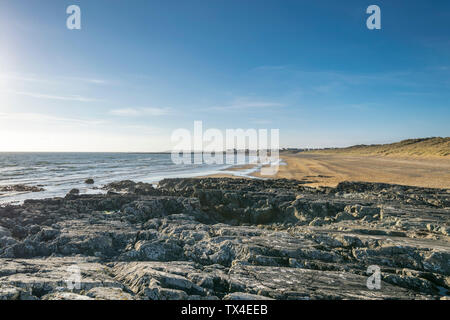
21 188
109 293
4 232
74 192
244 296
65 296
228 239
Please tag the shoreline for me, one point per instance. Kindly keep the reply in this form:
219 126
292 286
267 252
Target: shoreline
310 169
328 170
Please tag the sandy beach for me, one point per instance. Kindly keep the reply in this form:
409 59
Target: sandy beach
330 169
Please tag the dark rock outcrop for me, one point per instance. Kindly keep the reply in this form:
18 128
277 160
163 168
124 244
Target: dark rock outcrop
228 239
21 188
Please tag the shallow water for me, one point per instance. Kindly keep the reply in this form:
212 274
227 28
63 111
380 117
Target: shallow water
58 173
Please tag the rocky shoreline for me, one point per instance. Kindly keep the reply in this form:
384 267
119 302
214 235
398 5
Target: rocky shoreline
21 188
228 239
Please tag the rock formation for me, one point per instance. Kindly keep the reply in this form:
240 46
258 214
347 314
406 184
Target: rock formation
228 239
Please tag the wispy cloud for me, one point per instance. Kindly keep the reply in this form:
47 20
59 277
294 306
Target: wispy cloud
23 77
55 97
241 104
261 121
88 80
326 88
45 118
51 79
134 112
364 106
312 77
440 68
271 68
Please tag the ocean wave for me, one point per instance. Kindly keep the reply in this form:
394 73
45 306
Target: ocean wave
60 172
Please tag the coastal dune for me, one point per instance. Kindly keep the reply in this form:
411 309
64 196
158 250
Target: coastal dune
435 147
415 162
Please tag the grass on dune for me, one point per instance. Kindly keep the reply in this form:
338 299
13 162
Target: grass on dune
423 147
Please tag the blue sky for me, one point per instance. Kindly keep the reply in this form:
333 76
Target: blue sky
139 69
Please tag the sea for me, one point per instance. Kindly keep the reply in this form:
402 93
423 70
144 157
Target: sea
58 173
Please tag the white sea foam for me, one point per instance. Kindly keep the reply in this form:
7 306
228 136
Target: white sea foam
58 173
